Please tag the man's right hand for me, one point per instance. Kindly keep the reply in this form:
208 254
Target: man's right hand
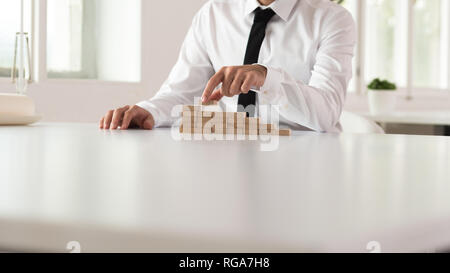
127 117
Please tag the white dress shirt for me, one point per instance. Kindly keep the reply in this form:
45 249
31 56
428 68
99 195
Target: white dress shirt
308 51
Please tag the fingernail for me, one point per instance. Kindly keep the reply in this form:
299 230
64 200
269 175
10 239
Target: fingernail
203 99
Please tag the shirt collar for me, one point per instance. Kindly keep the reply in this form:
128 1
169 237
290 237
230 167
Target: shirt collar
282 8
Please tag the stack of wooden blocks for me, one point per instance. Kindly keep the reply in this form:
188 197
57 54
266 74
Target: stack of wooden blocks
197 119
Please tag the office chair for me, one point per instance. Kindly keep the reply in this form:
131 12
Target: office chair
353 123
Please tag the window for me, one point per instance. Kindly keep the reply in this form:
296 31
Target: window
384 34
9 25
405 41
86 39
89 39
65 50
429 44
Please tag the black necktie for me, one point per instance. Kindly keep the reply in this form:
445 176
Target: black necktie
257 34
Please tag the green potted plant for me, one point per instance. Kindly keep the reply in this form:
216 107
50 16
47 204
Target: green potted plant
382 98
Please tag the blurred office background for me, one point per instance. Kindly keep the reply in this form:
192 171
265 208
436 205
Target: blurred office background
92 55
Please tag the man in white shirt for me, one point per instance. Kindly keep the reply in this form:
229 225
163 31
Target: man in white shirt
302 63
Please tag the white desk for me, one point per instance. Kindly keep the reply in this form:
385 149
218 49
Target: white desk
436 118
143 191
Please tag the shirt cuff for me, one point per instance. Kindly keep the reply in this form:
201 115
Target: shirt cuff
270 91
152 110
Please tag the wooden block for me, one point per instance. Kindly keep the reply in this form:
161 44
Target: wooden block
235 115
190 130
219 131
233 121
229 120
219 120
240 123
191 111
224 122
284 132
229 115
197 130
245 131
242 126
228 123
222 131
218 115
203 114
229 130
241 119
208 131
201 122
240 131
267 133
188 125
252 123
187 117
244 123
208 114
266 127
241 115
197 125
197 118
188 114
183 131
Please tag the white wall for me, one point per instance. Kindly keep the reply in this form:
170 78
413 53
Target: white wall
165 24
118 40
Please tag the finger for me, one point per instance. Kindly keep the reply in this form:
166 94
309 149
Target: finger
212 84
101 123
117 117
147 124
235 88
226 83
248 83
107 120
128 117
216 95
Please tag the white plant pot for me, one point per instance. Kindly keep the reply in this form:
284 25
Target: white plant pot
382 102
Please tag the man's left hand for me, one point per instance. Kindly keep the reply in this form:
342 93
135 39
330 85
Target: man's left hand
235 80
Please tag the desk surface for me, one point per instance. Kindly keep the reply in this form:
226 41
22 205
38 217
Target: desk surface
144 191
439 118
